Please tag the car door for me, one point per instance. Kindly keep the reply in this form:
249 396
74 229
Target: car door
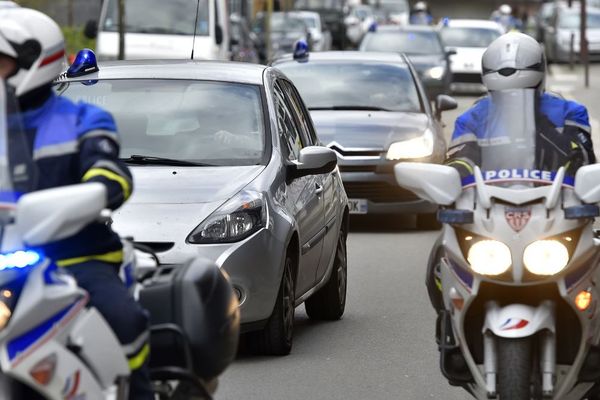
325 183
303 194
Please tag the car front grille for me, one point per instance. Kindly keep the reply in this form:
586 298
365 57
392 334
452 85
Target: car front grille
466 78
378 192
357 168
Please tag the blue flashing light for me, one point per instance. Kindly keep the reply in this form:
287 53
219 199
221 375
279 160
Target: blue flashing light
445 21
301 51
19 259
373 27
85 63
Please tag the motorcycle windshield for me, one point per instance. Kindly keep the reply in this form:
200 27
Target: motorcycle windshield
17 171
508 143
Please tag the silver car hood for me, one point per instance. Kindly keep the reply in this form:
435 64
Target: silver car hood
367 129
189 185
169 202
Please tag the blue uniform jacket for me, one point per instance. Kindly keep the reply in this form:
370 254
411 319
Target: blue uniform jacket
74 143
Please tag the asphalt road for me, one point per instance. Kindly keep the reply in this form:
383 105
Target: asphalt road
384 346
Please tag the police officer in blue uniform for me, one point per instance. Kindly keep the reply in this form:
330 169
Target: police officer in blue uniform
514 63
74 143
420 15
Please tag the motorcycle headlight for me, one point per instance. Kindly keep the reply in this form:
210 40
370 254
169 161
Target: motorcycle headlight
237 219
546 257
435 73
489 257
419 147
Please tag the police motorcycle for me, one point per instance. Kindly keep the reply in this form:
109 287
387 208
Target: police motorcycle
517 264
51 345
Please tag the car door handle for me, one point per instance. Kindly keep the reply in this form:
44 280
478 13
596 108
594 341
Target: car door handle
318 189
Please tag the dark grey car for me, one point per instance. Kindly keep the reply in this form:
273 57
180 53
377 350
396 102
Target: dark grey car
372 110
227 166
423 45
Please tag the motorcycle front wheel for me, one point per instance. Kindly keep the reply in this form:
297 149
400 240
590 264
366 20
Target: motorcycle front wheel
514 368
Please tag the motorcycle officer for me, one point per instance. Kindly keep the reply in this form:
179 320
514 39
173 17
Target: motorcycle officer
563 132
420 14
503 16
74 143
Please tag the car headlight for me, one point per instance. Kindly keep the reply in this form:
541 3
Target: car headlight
489 257
435 73
419 147
237 219
546 257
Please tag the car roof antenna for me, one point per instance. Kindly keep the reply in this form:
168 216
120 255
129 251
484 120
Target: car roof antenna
195 28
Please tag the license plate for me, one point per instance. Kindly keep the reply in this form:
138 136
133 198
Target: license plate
357 206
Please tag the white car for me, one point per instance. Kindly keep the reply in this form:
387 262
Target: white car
320 37
468 38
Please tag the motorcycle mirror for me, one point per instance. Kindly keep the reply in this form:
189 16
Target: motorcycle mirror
442 185
586 183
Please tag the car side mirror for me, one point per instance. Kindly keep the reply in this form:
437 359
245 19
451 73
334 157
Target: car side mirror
218 34
313 160
450 52
442 184
444 103
91 29
234 41
586 183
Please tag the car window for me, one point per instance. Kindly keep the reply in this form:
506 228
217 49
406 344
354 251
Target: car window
300 113
290 135
354 85
217 123
468 37
403 42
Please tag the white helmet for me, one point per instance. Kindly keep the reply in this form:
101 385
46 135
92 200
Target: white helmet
514 61
505 9
36 43
420 6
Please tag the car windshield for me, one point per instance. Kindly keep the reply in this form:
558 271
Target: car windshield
368 86
468 37
310 22
403 42
176 17
217 123
571 20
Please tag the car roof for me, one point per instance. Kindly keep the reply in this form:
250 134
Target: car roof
179 69
406 28
472 23
302 13
347 56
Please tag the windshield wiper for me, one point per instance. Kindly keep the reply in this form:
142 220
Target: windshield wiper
359 108
151 160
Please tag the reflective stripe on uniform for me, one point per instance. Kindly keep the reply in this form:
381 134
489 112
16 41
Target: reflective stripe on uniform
136 361
114 257
100 133
94 172
585 128
134 347
55 150
465 164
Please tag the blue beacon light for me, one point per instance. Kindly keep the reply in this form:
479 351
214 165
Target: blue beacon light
373 27
19 259
301 51
85 63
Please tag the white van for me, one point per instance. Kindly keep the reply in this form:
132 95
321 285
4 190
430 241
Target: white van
163 29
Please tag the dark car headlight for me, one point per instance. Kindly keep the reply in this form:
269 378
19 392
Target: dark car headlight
235 220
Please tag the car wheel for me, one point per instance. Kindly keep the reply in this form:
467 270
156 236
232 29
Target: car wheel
329 302
428 222
276 337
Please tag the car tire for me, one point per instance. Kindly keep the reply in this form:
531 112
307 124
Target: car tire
277 336
329 302
428 222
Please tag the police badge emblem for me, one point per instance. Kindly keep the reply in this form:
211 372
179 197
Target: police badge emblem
517 218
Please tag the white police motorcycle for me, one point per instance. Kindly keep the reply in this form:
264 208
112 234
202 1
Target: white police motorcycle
518 265
51 345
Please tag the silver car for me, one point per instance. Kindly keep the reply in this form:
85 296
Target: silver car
227 165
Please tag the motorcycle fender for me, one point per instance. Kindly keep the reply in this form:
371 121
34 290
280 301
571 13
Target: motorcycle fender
100 347
518 320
